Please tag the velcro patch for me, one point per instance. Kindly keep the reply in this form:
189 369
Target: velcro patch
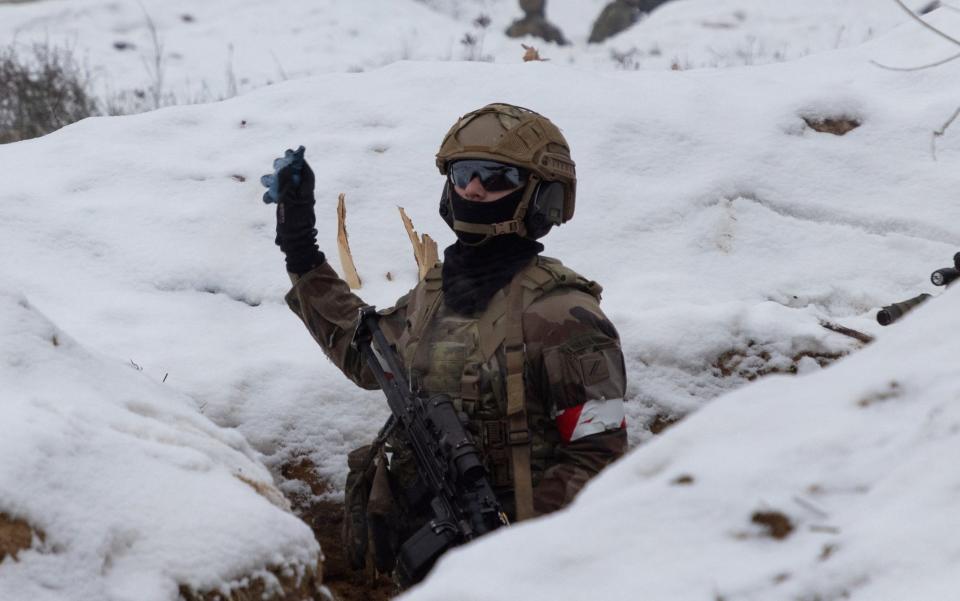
595 368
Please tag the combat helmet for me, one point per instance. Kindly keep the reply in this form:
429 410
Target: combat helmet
516 136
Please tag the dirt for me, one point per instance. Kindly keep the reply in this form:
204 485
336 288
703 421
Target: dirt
662 421
827 552
777 525
837 127
754 362
325 518
15 536
891 391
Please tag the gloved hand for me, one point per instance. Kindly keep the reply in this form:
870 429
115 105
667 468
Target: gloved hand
290 186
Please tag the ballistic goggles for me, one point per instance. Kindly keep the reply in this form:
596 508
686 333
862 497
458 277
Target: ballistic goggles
494 176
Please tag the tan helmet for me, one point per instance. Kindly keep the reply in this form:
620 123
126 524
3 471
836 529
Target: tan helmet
517 136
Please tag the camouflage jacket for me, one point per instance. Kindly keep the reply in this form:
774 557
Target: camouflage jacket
574 374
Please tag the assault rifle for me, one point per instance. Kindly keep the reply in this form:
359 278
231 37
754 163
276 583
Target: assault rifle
464 506
940 277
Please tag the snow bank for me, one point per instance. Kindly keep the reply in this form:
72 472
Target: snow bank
854 467
134 493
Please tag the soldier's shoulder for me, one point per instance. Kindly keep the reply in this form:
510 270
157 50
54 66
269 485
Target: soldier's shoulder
430 283
547 274
422 293
566 313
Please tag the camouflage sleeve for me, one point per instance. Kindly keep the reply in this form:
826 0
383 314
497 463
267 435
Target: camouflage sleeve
329 309
577 373
576 462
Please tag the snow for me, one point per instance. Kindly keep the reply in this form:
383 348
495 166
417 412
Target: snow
135 491
720 225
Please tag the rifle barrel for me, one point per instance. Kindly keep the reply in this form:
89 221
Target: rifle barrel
945 276
891 313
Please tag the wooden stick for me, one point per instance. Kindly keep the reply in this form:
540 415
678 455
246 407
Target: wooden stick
855 334
350 274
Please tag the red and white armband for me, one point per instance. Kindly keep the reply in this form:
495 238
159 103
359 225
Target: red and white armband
592 417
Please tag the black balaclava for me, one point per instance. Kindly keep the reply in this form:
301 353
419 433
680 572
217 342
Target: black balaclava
473 274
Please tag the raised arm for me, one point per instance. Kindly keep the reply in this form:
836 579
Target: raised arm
319 297
330 310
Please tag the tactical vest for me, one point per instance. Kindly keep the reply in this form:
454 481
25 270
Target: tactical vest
479 361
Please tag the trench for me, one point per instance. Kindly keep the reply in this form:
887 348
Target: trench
325 518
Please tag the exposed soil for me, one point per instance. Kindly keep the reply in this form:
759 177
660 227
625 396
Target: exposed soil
325 518
292 588
15 536
827 552
891 391
777 524
662 421
837 127
754 362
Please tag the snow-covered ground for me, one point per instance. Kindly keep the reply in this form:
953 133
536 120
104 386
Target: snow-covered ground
203 51
723 228
130 492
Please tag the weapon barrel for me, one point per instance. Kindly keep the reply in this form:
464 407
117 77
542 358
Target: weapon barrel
945 276
892 313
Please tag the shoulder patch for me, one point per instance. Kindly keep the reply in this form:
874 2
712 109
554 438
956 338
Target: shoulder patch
582 369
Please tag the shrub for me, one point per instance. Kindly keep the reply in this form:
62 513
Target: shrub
41 92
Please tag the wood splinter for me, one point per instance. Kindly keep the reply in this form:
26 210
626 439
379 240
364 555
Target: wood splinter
350 274
424 248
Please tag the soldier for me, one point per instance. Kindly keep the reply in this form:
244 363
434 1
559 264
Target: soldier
516 338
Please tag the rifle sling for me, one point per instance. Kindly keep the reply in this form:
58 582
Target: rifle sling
518 435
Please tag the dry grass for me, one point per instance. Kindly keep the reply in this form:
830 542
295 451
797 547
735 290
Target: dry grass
41 91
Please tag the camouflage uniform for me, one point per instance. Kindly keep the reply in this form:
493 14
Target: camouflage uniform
574 376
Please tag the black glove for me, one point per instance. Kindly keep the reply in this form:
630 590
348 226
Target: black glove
291 187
